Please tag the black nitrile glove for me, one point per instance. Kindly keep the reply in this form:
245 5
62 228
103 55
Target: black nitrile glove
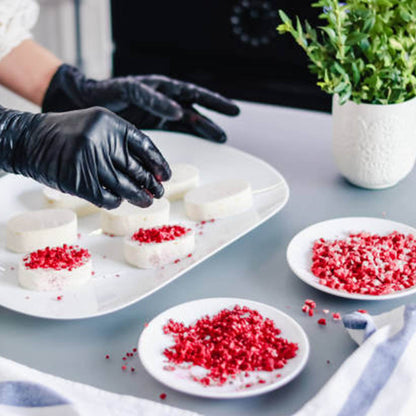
90 153
148 102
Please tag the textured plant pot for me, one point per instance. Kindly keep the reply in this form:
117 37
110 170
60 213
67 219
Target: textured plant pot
374 145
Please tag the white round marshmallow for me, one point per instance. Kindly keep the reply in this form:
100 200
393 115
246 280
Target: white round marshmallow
218 200
57 199
128 218
38 229
184 178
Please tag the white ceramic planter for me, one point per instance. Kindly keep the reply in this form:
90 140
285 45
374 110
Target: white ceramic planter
374 145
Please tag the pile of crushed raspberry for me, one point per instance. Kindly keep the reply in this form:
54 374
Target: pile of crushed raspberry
57 258
231 342
159 234
366 263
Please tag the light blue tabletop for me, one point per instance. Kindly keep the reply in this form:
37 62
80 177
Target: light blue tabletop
298 144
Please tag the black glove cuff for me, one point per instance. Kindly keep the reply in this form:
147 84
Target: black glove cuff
65 91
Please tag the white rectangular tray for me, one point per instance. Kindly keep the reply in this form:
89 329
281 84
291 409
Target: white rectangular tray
115 284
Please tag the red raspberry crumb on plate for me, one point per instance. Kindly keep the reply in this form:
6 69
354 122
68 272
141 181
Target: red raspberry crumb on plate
223 344
366 263
322 321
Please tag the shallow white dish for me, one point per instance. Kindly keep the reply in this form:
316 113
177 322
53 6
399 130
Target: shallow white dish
116 284
299 251
153 341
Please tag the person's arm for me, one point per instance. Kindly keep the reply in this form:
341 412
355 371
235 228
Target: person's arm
28 70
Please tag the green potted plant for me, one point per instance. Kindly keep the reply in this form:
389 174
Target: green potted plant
364 53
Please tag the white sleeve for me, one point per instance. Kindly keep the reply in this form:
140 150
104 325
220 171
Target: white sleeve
17 17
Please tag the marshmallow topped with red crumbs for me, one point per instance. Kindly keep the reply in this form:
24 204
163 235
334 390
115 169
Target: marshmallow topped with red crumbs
55 268
152 247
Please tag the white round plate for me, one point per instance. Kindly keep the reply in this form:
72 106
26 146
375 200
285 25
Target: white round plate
115 284
153 341
299 251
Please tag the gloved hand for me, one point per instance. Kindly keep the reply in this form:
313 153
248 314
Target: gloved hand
148 102
90 153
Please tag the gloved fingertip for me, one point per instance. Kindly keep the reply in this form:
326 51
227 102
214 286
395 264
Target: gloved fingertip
174 112
165 174
221 139
143 202
234 110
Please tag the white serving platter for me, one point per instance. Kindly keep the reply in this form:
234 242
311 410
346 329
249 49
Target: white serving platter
299 250
115 284
153 342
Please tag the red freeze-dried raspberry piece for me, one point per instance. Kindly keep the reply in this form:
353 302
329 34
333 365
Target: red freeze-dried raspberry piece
57 258
231 342
366 263
336 316
159 234
322 321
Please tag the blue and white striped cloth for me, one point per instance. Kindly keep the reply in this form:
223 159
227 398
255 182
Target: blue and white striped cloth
379 378
27 392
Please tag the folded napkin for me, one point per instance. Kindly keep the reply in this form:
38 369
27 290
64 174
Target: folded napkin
24 392
380 376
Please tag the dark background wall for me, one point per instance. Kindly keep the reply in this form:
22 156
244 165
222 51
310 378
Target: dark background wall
231 46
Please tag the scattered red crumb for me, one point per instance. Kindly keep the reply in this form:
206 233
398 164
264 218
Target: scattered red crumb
132 370
146 324
59 297
278 375
362 311
169 368
93 273
159 234
134 349
104 257
117 275
366 263
11 268
189 255
203 222
200 233
124 358
57 258
110 235
212 220
322 321
248 385
163 396
177 261
261 381
311 303
328 362
79 236
336 316
229 343
124 367
107 357
308 307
